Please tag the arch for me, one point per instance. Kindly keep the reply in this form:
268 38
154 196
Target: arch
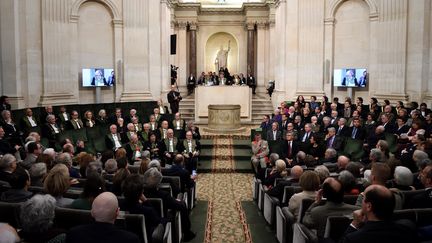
114 11
211 46
334 5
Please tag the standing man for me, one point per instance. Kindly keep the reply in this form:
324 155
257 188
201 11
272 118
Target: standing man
191 83
251 82
174 99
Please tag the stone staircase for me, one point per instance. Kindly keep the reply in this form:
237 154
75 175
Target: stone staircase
187 107
261 105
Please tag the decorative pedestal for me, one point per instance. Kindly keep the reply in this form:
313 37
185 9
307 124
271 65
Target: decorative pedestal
224 119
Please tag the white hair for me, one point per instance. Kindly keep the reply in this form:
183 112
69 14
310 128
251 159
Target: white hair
403 176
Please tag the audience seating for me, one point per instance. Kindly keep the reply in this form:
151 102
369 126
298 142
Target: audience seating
304 206
354 149
284 225
301 234
336 227
9 212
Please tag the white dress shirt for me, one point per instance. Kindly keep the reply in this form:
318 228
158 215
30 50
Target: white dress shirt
32 122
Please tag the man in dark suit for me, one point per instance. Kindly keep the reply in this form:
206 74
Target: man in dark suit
304 136
105 210
113 139
333 141
51 130
29 123
174 99
290 149
170 146
4 103
75 123
114 118
356 131
372 223
191 149
5 146
251 82
274 134
317 214
191 83
423 199
401 127
177 169
342 129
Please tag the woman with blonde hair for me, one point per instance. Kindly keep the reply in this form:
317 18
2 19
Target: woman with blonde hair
278 171
57 183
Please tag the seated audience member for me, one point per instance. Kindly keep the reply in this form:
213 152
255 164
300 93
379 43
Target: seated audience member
37 219
424 199
260 151
93 186
379 174
83 159
290 149
8 165
278 171
407 154
191 150
132 115
178 169
157 115
136 203
342 162
152 180
163 109
129 132
372 223
57 183
194 129
316 149
317 214
309 182
75 123
274 134
19 183
384 147
375 155
113 119
102 118
155 147
179 125
105 210
8 234
29 123
113 140
401 127
333 141
153 123
145 133
266 123
66 159
110 167
292 180
348 182
12 132
170 147
51 130
33 151
5 145
134 149
357 131
89 119
403 179
163 130
323 172
120 176
373 137
342 129
38 171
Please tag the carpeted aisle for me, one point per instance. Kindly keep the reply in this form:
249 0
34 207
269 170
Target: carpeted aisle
231 215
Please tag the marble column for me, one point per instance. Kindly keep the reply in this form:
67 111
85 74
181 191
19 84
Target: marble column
251 48
181 57
192 49
58 83
136 83
10 72
260 54
391 53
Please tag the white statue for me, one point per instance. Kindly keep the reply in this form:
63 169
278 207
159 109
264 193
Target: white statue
221 57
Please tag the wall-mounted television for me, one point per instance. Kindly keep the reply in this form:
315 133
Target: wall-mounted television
98 77
350 77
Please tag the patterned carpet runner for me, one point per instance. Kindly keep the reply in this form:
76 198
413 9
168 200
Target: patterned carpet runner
224 190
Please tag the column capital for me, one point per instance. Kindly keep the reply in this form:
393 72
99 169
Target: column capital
193 26
250 25
181 24
262 24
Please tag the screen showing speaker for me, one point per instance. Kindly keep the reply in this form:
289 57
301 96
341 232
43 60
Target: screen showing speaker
350 77
98 77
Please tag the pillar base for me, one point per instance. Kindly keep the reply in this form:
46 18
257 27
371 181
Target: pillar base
58 99
133 97
17 102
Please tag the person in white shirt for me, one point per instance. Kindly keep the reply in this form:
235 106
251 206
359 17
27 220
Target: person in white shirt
170 143
113 140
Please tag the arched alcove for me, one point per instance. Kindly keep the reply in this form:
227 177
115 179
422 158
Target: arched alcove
213 45
95 44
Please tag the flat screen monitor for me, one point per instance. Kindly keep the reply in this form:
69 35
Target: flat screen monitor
350 77
98 77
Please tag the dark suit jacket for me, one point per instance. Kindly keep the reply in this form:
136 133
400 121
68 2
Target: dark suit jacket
109 141
338 143
295 148
270 135
6 147
72 125
360 134
180 171
400 130
380 232
99 232
48 132
344 132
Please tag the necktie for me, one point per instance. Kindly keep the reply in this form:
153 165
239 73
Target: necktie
354 132
339 130
289 149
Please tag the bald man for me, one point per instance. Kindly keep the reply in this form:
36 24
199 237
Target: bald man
372 223
174 99
8 234
104 210
317 214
